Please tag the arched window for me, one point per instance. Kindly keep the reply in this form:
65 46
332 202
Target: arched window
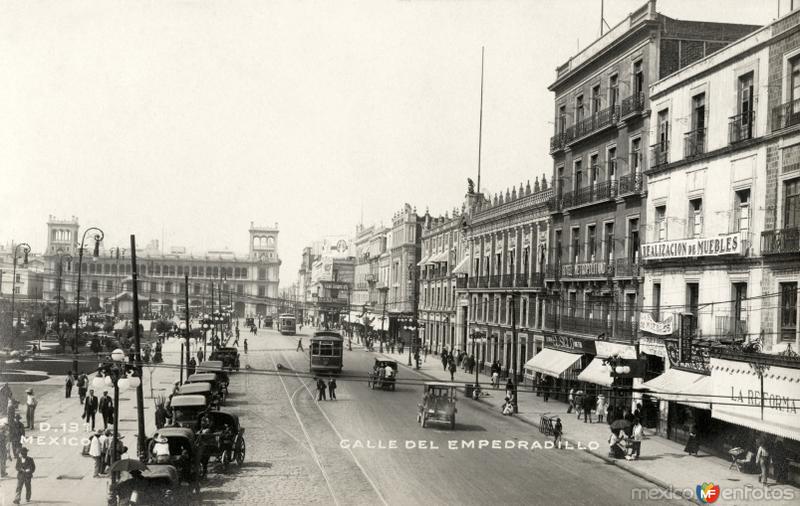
270 241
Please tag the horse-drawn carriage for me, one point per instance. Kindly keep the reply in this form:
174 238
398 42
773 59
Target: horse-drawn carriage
228 356
221 437
438 404
383 375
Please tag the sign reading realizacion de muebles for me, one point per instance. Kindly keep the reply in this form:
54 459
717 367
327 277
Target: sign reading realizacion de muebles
730 244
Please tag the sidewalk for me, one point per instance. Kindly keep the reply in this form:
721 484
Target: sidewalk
63 475
663 462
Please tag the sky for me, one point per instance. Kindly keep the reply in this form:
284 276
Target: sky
186 120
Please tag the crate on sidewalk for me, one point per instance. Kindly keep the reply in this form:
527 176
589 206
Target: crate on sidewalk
546 424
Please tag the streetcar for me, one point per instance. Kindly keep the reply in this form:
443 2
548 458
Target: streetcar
325 352
286 324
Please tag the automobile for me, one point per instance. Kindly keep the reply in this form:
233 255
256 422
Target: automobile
218 385
228 356
249 322
383 375
438 404
187 410
157 484
201 388
183 452
215 366
223 439
268 321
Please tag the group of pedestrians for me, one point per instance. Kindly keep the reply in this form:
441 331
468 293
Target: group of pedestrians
449 363
322 387
101 445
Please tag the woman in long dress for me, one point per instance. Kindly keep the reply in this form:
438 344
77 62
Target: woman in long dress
692 445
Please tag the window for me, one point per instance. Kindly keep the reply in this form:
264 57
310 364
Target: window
562 119
741 211
596 103
633 241
661 223
510 267
180 270
693 298
94 285
636 155
788 311
613 90
579 112
109 285
699 112
739 297
591 246
745 107
609 241
526 253
576 248
573 303
593 170
195 289
663 130
558 246
657 301
153 287
168 287
262 290
791 203
262 274
638 78
695 218
240 289
612 163
578 175
794 84
560 181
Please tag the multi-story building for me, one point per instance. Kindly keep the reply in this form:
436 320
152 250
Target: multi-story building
331 280
443 248
507 248
247 282
602 122
399 273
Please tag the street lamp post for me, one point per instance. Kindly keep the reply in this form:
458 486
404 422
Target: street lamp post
385 291
476 334
98 236
25 250
61 257
115 374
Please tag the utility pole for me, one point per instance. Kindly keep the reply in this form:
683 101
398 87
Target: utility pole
186 316
138 356
514 357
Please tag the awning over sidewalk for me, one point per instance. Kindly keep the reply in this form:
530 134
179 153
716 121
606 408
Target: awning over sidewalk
462 267
423 261
552 362
596 373
682 387
439 257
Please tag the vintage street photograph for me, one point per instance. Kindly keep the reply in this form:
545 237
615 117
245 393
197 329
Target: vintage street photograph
399 252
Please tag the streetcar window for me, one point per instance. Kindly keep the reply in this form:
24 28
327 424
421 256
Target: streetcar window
326 350
315 348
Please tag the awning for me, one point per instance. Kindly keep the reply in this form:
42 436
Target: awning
683 387
439 257
552 362
596 373
462 267
423 261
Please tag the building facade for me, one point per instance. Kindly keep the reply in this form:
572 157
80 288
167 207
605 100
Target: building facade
246 282
399 273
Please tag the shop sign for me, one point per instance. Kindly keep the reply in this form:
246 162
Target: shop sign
730 244
584 269
567 343
609 349
648 324
741 394
652 346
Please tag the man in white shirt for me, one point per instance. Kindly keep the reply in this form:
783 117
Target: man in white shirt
636 439
31 403
96 452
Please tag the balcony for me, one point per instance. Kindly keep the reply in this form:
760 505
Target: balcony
780 242
589 125
507 281
461 282
595 193
740 127
483 282
620 330
587 270
694 143
537 279
730 327
558 141
631 183
632 104
494 280
626 268
551 271
786 115
659 154
473 282
521 280
581 325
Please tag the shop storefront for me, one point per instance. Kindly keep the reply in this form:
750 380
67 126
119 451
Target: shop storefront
685 398
557 365
596 378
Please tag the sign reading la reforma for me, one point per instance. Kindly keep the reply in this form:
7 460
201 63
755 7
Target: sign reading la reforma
730 244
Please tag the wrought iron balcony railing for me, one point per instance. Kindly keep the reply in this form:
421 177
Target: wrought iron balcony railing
625 267
521 280
694 143
595 193
778 242
631 183
473 282
740 127
558 141
461 282
494 280
786 115
659 154
632 104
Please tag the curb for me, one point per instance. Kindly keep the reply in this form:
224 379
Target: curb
640 474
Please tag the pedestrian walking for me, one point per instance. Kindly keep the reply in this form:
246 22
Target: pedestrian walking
558 429
444 359
570 400
90 407
191 367
577 402
25 469
16 431
332 389
69 383
105 439
3 449
495 379
96 452
106 408
161 415
83 386
601 407
588 404
245 346
452 368
299 345
471 364
236 341
200 356
692 445
546 388
30 403
320 389
762 458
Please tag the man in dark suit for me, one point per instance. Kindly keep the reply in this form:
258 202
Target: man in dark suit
25 469
106 408
90 407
